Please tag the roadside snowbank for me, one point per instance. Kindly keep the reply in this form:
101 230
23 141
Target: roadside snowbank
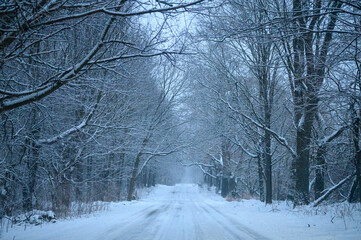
281 221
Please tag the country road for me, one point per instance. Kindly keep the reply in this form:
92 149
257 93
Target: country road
188 212
181 213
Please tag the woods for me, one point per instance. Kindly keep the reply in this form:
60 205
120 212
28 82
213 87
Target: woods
277 72
99 98
85 113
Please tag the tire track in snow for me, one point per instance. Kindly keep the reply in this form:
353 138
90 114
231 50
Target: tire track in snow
218 229
226 218
129 226
147 226
207 227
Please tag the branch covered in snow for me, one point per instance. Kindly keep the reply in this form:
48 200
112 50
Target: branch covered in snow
72 130
157 154
120 14
205 172
197 164
140 55
218 161
332 136
239 144
332 189
201 166
42 18
281 140
12 102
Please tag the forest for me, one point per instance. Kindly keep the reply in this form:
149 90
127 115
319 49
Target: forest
260 98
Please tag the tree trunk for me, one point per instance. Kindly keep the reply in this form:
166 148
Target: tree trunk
268 168
320 172
358 172
358 168
226 168
232 186
135 169
350 197
302 166
153 179
260 180
218 182
120 177
309 64
331 190
224 188
32 167
357 157
133 178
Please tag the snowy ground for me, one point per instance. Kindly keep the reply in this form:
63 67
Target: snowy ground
188 212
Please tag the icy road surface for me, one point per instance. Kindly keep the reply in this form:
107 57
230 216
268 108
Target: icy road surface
187 212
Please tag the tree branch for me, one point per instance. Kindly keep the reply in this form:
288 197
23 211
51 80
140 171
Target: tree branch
332 189
72 130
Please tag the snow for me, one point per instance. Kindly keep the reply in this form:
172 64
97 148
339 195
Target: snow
279 221
186 211
35 217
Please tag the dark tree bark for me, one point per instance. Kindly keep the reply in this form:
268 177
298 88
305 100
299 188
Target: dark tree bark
32 164
268 167
133 178
260 179
320 172
226 168
232 186
120 176
357 157
224 188
135 169
309 63
303 162
218 181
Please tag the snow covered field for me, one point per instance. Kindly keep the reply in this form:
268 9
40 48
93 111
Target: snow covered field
188 212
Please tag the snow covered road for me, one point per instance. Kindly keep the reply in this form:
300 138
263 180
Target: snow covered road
187 212
181 213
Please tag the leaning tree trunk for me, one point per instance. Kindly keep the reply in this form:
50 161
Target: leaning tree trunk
133 177
135 169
